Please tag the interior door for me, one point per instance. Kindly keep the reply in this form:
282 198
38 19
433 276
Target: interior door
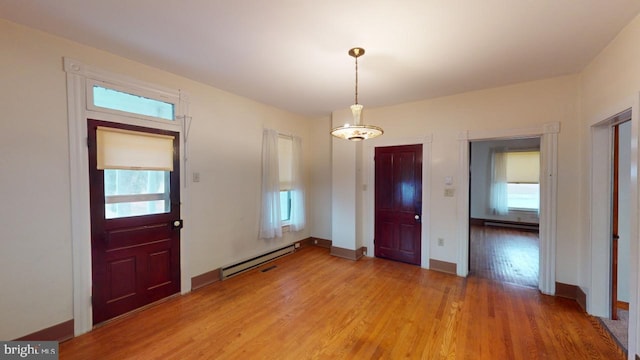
135 231
398 203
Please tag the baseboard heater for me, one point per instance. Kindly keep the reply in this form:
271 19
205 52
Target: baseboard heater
533 227
237 268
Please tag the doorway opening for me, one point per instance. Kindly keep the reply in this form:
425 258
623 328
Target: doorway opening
619 239
504 206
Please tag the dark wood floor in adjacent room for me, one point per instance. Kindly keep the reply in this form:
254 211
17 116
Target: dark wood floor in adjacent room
505 255
316 306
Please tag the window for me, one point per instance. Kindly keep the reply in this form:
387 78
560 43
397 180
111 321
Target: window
285 206
285 150
137 168
523 180
135 192
109 98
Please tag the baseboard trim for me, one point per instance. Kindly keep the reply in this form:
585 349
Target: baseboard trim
324 243
532 227
622 305
443 266
572 292
61 332
305 242
205 279
348 253
581 298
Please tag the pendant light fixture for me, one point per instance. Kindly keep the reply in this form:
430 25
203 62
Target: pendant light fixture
356 131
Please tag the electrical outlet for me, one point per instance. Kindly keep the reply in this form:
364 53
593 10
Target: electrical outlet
196 177
440 242
315 242
296 245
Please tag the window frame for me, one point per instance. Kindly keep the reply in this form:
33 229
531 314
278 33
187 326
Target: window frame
132 90
524 210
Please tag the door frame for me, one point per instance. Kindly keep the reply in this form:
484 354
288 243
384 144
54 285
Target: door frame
368 198
78 74
601 222
548 134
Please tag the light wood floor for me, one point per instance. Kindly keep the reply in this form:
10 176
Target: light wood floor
503 254
316 306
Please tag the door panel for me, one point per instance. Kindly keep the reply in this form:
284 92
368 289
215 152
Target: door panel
398 203
135 259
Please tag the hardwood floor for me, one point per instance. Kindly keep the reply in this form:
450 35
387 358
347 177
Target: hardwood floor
316 306
505 255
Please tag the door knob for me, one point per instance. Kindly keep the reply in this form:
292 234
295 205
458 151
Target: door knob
417 217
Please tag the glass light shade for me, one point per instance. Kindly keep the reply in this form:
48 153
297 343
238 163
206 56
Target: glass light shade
356 132
356 111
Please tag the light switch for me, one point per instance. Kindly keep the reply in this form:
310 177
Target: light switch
448 180
449 192
196 177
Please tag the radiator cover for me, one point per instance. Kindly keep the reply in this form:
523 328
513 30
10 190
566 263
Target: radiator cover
242 266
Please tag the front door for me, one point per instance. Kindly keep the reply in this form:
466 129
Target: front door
398 203
135 229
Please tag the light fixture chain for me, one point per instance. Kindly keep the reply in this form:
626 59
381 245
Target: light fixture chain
356 80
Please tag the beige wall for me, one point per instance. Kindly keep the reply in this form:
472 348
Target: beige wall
36 275
36 257
518 106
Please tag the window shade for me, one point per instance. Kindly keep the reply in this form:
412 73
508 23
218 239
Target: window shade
523 167
285 149
133 150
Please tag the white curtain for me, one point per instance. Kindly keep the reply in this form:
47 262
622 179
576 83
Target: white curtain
297 187
270 225
498 187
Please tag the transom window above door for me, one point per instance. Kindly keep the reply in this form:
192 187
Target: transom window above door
107 97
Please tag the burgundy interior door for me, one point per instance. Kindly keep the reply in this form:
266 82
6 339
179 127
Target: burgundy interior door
135 256
398 203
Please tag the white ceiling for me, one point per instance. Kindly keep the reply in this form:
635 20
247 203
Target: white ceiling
292 54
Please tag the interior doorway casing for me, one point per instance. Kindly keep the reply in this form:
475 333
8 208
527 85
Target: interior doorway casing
598 249
600 220
77 75
548 134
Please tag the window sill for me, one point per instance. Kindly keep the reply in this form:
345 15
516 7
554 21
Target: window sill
519 210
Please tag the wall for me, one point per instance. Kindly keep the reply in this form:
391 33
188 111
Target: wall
481 179
320 182
511 107
611 84
624 204
36 261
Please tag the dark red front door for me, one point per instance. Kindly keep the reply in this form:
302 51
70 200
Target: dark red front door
398 203
135 239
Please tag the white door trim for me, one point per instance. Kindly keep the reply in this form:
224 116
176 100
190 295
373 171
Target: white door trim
548 134
77 76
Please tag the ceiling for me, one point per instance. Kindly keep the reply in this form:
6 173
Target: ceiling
292 54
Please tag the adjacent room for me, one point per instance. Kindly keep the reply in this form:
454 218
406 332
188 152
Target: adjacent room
336 179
